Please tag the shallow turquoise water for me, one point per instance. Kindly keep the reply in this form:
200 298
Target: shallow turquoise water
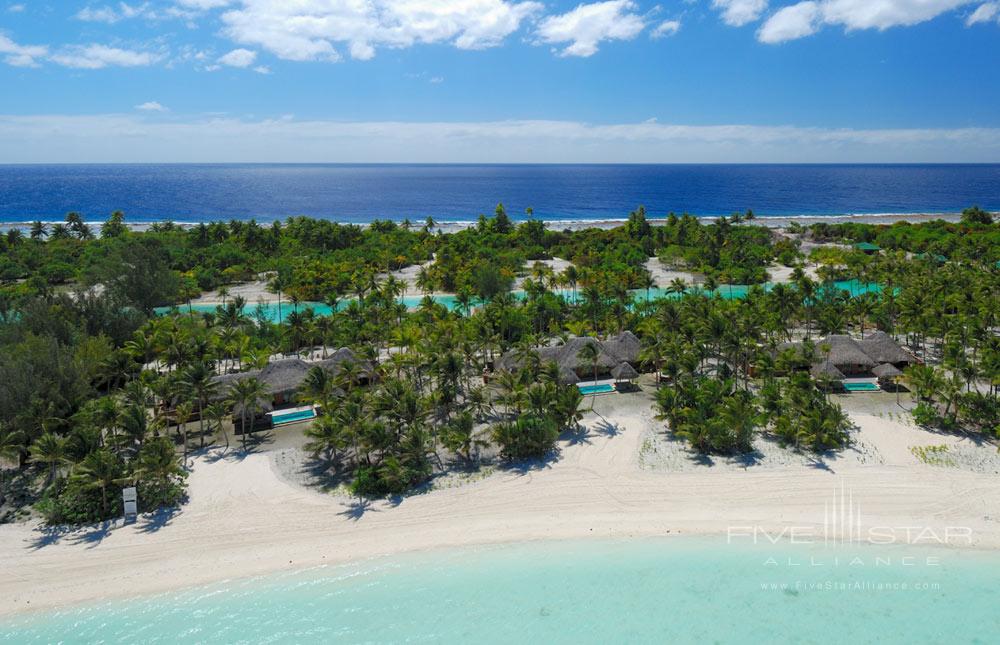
726 291
683 590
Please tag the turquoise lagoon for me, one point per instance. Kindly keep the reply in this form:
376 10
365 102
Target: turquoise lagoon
667 590
269 311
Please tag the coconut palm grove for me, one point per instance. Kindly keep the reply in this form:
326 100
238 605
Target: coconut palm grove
112 375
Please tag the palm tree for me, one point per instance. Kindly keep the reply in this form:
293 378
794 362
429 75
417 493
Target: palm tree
11 447
923 380
278 284
100 469
198 381
318 388
327 436
158 461
247 395
49 449
38 230
591 353
216 415
182 414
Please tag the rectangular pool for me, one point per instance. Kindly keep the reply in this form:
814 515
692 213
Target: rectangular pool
602 388
861 387
291 417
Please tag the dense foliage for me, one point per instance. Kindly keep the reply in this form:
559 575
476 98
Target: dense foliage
97 392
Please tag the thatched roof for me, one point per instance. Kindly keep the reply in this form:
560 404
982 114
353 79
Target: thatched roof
886 370
881 348
622 348
335 361
567 376
263 406
828 369
624 372
844 352
625 346
284 376
227 381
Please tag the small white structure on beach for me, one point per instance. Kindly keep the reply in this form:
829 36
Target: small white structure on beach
130 501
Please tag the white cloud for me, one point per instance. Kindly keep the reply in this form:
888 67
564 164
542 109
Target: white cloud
98 14
737 13
789 23
984 13
16 8
314 29
151 106
21 55
204 4
111 15
666 28
100 56
262 69
586 26
239 58
132 138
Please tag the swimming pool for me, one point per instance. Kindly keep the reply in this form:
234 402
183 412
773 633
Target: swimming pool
602 388
291 417
861 387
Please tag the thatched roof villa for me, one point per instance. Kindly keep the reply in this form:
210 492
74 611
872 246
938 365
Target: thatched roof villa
612 352
283 378
855 357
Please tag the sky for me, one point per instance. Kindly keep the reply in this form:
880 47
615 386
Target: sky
500 81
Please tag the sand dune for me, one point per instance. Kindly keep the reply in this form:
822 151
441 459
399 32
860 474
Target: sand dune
243 519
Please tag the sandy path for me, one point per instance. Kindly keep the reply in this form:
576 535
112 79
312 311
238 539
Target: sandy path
243 520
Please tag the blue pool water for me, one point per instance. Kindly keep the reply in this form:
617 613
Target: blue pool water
670 590
605 388
291 417
270 311
861 387
361 193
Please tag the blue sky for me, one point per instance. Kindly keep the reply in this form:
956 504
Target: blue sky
503 80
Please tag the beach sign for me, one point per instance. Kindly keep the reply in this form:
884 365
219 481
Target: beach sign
129 498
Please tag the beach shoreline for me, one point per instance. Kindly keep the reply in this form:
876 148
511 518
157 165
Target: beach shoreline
451 226
246 519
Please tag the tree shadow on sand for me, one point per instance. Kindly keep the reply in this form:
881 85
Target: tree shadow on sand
528 466
91 535
357 508
158 519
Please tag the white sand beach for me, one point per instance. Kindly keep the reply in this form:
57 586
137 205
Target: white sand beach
245 519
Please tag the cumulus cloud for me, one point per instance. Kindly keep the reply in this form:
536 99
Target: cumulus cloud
737 13
805 18
21 55
239 58
984 13
314 29
790 23
586 26
666 28
151 106
109 138
101 56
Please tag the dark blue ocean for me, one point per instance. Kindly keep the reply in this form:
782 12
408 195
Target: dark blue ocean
360 193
